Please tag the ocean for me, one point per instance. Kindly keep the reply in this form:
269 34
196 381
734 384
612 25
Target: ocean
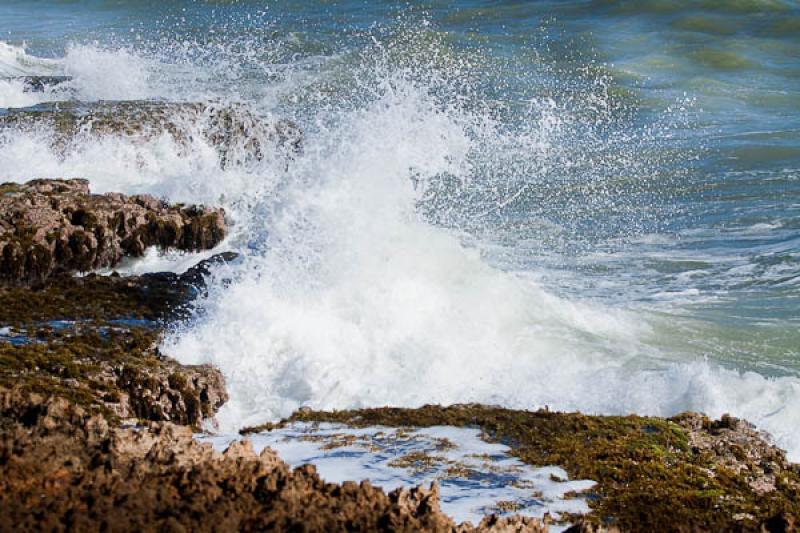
586 205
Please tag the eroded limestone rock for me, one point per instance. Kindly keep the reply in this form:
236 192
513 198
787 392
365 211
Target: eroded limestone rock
61 468
51 226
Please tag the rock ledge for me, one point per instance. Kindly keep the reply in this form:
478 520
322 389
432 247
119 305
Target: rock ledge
51 226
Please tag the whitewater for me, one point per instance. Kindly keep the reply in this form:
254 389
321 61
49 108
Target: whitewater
384 265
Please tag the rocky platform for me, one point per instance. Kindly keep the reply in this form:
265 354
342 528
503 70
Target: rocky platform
685 473
51 226
236 133
63 469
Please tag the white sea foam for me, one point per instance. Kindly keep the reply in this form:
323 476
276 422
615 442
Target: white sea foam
358 302
474 476
13 94
95 73
15 61
100 74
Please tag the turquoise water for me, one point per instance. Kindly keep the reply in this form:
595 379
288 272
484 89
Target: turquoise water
592 205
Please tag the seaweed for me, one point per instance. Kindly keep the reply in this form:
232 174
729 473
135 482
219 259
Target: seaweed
650 474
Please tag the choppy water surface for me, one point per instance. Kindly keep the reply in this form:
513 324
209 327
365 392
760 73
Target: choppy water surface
588 205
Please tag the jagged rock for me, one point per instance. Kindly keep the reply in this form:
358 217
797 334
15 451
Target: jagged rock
196 275
512 524
61 468
50 226
737 446
237 134
169 391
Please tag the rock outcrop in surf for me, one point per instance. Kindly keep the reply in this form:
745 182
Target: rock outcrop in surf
51 226
96 428
237 134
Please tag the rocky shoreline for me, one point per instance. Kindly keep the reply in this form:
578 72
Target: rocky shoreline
96 424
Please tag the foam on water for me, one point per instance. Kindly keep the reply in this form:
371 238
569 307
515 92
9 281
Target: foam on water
15 61
475 477
359 302
350 296
95 72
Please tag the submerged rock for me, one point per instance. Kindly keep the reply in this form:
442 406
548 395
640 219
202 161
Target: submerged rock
51 226
236 133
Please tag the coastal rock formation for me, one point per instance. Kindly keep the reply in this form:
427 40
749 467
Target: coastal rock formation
37 84
238 135
94 340
738 447
61 468
686 473
51 226
96 424
111 369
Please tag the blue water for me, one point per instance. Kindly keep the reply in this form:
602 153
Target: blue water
639 162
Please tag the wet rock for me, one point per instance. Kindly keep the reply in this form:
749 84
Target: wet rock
737 446
51 226
685 473
94 340
238 135
192 282
38 84
62 468
168 391
117 373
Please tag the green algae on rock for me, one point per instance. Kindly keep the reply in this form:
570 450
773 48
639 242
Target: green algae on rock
685 473
93 341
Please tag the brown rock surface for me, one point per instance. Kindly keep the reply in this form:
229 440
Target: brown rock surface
62 469
50 226
736 446
94 340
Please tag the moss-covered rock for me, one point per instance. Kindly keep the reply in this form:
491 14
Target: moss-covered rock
94 341
686 473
